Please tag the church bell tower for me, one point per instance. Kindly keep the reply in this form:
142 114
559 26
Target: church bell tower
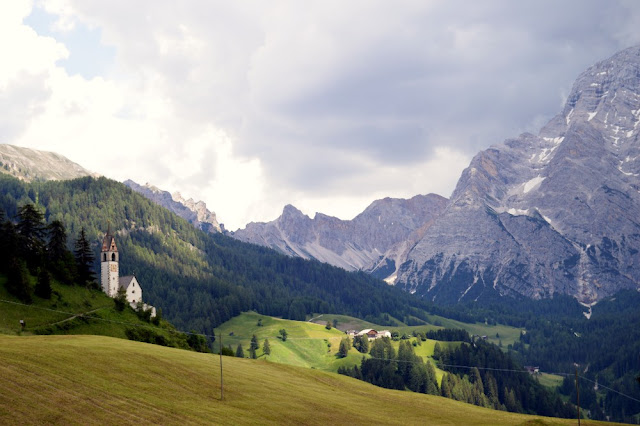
109 270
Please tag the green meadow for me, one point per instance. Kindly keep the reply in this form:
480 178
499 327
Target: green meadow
87 380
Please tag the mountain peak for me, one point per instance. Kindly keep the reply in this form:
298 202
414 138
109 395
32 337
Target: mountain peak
546 214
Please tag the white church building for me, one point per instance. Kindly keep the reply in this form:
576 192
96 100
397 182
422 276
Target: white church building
110 277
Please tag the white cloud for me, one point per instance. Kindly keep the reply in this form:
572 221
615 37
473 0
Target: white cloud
324 105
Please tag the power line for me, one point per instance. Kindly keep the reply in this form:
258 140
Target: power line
505 370
81 315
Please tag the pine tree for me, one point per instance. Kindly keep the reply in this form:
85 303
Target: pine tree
266 348
240 351
345 345
43 285
57 245
17 281
31 230
84 259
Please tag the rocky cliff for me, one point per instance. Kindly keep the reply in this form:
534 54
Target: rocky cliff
194 212
359 244
550 213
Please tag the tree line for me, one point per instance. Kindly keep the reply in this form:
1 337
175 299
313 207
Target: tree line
489 378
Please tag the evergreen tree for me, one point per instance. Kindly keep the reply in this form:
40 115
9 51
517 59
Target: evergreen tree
254 342
120 300
266 348
57 244
345 345
84 259
361 343
437 351
283 334
31 230
43 285
17 280
240 351
8 244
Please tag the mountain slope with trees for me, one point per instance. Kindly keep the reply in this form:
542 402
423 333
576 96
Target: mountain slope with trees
201 280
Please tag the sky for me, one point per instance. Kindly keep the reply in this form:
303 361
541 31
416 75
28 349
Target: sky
326 105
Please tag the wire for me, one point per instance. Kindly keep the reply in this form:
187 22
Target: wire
81 315
505 370
608 388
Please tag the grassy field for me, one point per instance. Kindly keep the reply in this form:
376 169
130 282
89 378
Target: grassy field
71 310
100 380
495 333
549 380
308 345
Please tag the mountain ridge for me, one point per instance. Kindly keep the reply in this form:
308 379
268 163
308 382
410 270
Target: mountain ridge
546 214
194 212
356 244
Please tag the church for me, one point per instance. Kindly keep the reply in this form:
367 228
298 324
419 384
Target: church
111 280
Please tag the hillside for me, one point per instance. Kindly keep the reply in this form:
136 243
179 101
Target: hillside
202 280
32 165
99 380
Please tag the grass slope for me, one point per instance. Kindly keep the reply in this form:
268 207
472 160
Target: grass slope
102 380
71 310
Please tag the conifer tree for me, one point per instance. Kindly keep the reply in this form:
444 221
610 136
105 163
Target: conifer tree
43 285
266 348
240 351
84 259
17 281
31 233
57 244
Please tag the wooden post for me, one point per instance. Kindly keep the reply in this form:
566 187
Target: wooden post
221 382
578 395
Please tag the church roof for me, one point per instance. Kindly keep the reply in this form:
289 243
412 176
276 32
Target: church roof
109 243
125 282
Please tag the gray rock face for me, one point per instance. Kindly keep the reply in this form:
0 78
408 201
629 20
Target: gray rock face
32 165
553 213
359 244
195 213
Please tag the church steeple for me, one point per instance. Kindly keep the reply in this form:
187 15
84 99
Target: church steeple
109 264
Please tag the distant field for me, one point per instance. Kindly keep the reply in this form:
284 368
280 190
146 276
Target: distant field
69 380
495 333
549 380
307 343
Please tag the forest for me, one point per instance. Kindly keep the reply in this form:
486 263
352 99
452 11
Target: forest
477 373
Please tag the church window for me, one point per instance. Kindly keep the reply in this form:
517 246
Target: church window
113 257
104 259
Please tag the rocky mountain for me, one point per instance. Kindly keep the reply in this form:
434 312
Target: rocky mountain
355 244
194 212
556 212
32 165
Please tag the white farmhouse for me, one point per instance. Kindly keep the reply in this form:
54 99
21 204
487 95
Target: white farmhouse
112 283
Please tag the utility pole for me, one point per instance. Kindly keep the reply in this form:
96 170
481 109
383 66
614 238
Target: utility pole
578 395
221 383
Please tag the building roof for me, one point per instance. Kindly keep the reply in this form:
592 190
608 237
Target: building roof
109 243
125 282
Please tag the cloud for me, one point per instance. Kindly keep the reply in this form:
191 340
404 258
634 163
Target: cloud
325 105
